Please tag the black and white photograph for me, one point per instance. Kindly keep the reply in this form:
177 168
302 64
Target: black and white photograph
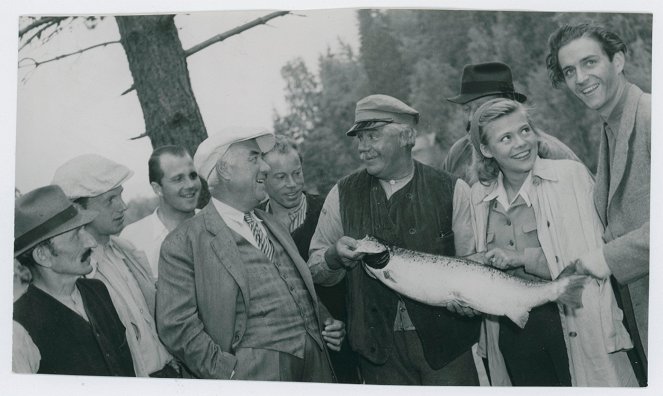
285 197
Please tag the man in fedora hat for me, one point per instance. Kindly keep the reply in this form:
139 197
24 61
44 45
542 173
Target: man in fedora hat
235 299
63 323
480 83
409 205
95 183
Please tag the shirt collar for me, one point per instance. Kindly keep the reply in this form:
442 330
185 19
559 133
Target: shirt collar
615 116
499 192
228 213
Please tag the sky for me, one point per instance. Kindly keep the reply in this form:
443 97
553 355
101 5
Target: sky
74 105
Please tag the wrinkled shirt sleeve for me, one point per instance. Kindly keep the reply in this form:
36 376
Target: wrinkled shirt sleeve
25 354
328 231
462 220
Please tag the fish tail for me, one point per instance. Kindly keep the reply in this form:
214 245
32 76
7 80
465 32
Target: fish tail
569 290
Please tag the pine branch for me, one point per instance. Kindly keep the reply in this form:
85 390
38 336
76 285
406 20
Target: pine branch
39 63
36 35
39 22
233 32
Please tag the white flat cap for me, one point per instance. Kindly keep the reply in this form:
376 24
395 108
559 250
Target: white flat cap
212 148
89 175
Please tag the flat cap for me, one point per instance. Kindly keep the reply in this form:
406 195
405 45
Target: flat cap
89 175
377 110
212 149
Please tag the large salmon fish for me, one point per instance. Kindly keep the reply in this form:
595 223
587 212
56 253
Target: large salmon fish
439 280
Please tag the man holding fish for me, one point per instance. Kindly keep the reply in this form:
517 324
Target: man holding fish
410 205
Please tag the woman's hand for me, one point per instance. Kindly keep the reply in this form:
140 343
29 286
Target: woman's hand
504 259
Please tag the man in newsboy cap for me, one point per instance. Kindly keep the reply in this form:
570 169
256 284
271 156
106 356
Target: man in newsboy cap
235 299
95 183
480 83
63 324
410 205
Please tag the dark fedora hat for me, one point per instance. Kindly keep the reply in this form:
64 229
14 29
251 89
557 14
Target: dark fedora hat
44 213
483 79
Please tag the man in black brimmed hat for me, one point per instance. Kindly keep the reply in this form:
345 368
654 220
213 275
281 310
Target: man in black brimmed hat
63 324
480 83
409 205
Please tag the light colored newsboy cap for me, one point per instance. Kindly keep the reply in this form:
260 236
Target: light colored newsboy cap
212 149
89 175
377 110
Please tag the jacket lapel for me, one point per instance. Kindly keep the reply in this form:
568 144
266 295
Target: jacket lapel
623 137
602 179
223 245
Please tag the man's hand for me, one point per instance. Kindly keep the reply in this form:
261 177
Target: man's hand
456 307
504 259
333 334
591 268
343 254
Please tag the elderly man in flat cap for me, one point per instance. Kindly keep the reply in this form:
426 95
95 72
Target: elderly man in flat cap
95 183
235 299
63 324
410 205
479 83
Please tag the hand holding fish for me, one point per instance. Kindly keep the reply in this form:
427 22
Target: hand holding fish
504 259
463 310
343 254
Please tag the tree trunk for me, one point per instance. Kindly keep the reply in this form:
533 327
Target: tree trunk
161 79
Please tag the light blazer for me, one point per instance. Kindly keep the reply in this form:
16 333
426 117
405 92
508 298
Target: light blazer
621 194
200 275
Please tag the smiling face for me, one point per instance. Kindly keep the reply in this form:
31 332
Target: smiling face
110 219
512 142
179 187
383 152
245 173
590 74
285 182
69 253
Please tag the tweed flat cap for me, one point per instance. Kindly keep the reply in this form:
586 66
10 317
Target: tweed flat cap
89 175
377 110
212 149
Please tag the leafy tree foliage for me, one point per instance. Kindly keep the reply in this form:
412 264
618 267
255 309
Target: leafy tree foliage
418 56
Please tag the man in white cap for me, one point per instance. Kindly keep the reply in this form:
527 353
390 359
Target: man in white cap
176 183
63 324
95 183
410 205
235 299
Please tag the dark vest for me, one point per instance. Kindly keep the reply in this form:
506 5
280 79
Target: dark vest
417 217
68 344
302 235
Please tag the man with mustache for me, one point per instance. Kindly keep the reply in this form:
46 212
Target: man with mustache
176 183
480 83
63 323
95 183
589 59
235 299
413 206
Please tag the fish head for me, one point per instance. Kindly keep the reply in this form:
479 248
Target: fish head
370 245
376 254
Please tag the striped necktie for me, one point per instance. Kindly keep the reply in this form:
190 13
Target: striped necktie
260 236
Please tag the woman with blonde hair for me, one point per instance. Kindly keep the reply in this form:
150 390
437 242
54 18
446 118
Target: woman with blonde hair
532 217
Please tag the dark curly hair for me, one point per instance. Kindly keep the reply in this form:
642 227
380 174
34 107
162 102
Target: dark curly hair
610 42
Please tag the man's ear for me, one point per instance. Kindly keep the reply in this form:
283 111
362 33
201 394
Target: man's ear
618 61
485 151
42 256
222 169
156 187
